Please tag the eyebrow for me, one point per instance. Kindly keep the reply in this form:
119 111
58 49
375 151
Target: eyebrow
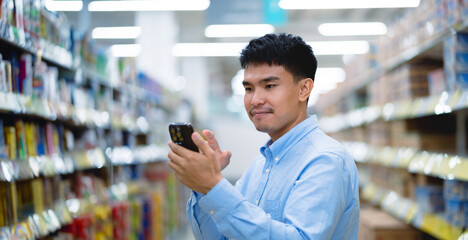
265 80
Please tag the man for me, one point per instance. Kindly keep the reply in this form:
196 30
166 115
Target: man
304 185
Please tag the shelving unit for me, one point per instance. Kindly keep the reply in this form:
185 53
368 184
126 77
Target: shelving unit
82 151
407 134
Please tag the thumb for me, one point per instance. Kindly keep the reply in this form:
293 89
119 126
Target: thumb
201 143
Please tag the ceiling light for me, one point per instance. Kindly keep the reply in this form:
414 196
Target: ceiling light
339 47
148 5
238 30
332 74
352 29
125 50
64 6
346 4
116 32
207 49
234 49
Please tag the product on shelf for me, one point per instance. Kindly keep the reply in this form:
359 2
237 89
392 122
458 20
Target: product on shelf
456 61
437 82
456 202
378 224
430 198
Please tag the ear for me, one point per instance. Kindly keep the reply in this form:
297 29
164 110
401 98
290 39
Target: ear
307 84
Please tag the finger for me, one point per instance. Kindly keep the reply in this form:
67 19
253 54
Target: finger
174 167
176 159
201 144
212 142
179 150
227 155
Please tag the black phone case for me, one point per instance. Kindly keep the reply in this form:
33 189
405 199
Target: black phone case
181 133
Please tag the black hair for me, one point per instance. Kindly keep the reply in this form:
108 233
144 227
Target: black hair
282 49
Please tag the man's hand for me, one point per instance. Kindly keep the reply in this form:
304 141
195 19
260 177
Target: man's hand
224 157
199 171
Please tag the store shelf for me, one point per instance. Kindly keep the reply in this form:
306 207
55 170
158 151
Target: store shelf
140 155
444 103
55 55
405 56
432 164
409 211
21 104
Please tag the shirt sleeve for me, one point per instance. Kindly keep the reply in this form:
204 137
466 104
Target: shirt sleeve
311 211
202 225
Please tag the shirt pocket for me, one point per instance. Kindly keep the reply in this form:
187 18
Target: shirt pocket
271 208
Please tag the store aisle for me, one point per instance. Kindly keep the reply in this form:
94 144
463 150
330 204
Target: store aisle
184 234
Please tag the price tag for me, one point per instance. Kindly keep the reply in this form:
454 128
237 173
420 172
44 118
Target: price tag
406 155
403 109
444 166
436 161
433 101
411 213
45 109
419 162
100 160
461 171
417 107
454 98
462 102
58 164
12 101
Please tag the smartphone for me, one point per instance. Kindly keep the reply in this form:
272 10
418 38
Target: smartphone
181 133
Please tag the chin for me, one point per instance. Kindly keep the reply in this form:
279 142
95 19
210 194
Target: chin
263 128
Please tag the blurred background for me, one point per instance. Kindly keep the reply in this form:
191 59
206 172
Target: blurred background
88 88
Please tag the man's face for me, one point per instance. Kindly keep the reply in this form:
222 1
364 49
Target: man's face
272 99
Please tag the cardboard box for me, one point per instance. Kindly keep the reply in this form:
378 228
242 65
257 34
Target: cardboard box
376 224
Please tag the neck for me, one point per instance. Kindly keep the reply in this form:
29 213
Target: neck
302 116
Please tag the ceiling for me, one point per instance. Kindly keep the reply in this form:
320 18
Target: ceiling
192 24
300 22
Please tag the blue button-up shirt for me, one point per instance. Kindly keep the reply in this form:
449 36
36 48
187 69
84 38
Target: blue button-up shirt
302 186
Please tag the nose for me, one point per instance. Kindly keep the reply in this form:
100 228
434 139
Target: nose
258 98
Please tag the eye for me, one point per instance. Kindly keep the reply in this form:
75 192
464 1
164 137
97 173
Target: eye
248 89
268 86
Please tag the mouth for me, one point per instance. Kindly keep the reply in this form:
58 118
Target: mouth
260 112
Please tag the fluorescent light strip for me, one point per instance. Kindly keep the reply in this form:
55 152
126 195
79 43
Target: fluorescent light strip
148 5
347 4
208 49
64 6
125 50
234 49
331 74
339 47
116 32
238 30
352 29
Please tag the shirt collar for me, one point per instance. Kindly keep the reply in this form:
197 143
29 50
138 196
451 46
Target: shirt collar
289 139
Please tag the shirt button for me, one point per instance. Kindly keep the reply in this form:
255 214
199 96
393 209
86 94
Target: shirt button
256 202
211 212
267 170
276 159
